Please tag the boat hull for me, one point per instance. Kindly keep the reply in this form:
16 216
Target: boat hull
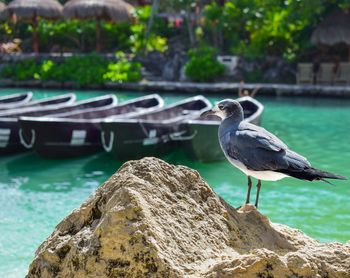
64 139
9 138
201 141
134 140
77 133
14 140
151 134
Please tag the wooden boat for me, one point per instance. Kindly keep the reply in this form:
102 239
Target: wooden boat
50 103
149 134
9 124
54 101
77 133
15 100
200 136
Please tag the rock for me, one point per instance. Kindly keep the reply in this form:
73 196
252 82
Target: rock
171 69
152 219
153 64
182 76
276 70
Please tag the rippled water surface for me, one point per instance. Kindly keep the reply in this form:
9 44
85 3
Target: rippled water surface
35 194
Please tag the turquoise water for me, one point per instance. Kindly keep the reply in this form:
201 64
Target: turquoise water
35 194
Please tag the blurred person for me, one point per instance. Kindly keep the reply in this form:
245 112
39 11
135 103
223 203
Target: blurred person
245 93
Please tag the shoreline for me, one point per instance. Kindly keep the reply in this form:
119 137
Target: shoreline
207 88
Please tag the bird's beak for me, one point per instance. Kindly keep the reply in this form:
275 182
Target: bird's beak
207 113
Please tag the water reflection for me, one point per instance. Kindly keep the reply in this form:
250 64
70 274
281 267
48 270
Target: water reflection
29 172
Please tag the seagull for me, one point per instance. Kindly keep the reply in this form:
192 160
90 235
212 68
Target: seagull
257 152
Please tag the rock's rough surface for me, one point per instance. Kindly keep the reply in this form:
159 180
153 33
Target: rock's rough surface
152 219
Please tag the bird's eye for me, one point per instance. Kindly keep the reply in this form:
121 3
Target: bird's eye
221 107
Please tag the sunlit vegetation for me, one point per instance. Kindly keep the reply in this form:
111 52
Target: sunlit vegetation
253 29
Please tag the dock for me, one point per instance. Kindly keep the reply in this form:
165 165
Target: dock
196 88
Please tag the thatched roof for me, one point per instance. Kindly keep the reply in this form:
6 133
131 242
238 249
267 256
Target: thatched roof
334 29
27 9
3 12
109 10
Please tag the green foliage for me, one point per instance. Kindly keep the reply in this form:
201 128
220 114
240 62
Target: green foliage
254 76
202 65
278 29
46 70
23 70
5 30
82 70
123 70
223 23
142 39
74 35
255 28
251 28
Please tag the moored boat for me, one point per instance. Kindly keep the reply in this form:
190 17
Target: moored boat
200 139
50 103
79 132
149 134
15 100
55 101
9 125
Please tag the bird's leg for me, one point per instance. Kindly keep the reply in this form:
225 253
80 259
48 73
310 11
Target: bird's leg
249 188
257 193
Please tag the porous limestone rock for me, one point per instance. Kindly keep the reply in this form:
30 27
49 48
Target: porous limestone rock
152 219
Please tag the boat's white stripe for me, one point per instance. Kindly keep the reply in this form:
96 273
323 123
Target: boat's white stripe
152 139
4 142
78 137
4 137
5 131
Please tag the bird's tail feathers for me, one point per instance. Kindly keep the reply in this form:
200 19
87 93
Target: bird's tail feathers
312 174
326 175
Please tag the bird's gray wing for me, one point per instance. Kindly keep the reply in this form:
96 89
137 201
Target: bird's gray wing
260 136
260 150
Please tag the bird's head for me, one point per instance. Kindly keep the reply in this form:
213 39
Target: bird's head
226 108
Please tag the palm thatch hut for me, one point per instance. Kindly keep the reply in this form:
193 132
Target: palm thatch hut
32 10
333 30
3 12
108 10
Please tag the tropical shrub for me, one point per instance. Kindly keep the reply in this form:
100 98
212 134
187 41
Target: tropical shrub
250 28
123 70
255 28
74 35
24 70
46 70
202 65
142 39
82 70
